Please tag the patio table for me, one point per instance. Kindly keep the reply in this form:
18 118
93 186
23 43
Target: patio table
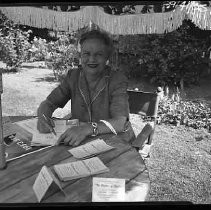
17 179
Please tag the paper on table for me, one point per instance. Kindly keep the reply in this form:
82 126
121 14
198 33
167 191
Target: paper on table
79 169
95 165
46 139
43 139
94 147
44 181
108 189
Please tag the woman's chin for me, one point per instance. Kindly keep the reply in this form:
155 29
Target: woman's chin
92 70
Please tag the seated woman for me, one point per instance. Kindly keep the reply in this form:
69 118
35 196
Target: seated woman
96 93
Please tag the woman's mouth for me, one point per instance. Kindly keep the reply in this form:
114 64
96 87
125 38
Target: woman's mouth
92 65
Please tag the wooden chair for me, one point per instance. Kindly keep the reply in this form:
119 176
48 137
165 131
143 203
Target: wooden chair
145 104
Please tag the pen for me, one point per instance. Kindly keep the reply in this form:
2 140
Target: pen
50 127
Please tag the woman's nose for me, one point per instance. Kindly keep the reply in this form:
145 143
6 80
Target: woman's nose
92 58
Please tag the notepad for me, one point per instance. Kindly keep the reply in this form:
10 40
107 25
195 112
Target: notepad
79 169
89 149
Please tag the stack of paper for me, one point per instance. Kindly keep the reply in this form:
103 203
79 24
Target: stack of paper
79 169
89 149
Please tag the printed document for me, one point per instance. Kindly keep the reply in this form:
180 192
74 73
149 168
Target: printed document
108 189
89 149
79 169
43 182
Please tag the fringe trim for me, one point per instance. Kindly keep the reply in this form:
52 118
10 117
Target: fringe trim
157 23
199 14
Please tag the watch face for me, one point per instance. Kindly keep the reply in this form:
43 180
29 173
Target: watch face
95 132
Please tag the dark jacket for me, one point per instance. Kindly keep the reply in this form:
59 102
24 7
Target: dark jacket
109 100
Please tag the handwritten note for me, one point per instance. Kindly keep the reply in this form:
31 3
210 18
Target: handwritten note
92 148
40 139
43 182
108 189
79 169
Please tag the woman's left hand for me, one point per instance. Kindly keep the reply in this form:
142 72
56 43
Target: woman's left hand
75 135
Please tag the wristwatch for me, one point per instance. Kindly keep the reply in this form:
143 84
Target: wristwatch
95 129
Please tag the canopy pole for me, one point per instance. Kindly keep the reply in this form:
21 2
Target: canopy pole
2 145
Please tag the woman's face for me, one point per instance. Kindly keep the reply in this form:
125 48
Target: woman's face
94 55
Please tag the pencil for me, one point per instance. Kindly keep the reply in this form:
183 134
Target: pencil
50 127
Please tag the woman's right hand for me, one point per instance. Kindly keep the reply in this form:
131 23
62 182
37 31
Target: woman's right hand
46 109
43 125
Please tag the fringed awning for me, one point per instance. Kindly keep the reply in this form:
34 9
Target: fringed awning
150 23
114 24
199 14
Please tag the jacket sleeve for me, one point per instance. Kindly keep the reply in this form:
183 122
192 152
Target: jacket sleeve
62 93
119 105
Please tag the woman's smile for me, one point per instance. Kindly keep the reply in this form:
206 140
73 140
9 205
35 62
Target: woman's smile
92 65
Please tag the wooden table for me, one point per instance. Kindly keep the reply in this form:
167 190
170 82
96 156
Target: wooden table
17 179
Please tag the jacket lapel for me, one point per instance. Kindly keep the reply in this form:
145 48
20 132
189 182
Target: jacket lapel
84 89
100 86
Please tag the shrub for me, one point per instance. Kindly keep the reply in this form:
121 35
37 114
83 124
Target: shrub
166 59
14 44
62 56
192 113
38 50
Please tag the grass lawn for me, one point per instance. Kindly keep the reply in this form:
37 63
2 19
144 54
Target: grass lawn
180 161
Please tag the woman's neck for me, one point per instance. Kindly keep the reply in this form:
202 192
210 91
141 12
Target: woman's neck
92 78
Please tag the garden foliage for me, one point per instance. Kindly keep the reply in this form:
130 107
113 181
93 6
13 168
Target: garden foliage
62 55
38 50
177 111
14 44
172 58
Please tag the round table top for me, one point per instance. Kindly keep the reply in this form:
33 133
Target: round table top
124 162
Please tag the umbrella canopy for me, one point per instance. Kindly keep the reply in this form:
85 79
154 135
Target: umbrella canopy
149 23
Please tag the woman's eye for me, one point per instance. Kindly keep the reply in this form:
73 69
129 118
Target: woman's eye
86 53
99 54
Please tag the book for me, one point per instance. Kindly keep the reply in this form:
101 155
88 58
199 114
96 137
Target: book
16 146
80 168
90 149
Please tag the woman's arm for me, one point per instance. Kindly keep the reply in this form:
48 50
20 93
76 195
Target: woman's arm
57 98
119 111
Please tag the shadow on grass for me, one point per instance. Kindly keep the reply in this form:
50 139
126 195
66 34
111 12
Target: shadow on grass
33 67
46 79
6 71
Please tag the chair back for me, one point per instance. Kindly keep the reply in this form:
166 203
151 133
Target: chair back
143 103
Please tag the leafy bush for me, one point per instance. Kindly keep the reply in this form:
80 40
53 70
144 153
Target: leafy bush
14 44
192 113
62 55
166 59
38 50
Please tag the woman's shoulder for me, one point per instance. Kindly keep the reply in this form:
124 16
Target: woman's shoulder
117 75
73 72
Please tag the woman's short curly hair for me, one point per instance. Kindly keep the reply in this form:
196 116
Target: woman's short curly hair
96 34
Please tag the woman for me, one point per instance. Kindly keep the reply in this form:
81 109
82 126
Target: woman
96 93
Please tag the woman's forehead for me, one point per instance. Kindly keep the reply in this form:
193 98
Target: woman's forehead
93 43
